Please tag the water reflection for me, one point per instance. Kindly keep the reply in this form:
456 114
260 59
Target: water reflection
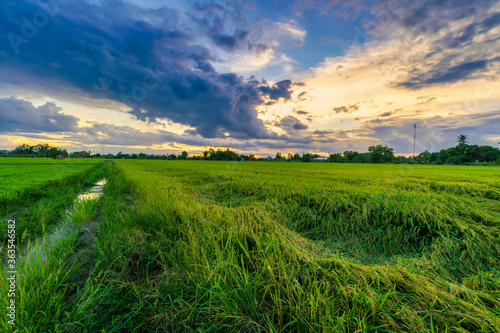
94 193
35 251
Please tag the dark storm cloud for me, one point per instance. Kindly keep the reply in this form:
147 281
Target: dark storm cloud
458 31
472 30
301 112
291 124
281 89
218 18
230 42
17 115
430 16
150 60
347 108
453 74
301 97
342 8
323 132
126 136
299 126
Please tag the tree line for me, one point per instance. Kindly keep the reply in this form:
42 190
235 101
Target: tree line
462 153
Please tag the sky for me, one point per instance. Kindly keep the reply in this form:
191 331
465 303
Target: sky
259 77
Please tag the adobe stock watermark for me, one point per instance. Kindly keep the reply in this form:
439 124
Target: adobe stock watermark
31 25
11 272
139 93
382 17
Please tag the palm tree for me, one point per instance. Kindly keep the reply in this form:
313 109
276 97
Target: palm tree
462 140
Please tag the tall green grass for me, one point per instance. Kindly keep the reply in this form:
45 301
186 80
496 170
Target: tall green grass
20 175
46 267
279 247
41 207
262 247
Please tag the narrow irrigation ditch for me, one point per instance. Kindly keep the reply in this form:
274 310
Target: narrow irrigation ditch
52 263
65 230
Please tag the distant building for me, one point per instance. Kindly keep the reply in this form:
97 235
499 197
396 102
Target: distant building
320 159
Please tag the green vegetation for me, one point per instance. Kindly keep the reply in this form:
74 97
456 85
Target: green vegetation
41 150
276 247
19 175
462 154
46 283
38 191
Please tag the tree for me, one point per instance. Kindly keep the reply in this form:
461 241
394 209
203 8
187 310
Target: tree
278 156
41 149
80 154
462 140
54 152
23 150
381 154
184 155
453 160
424 157
351 155
336 158
308 157
462 147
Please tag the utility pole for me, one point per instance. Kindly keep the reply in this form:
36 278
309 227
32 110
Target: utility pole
414 138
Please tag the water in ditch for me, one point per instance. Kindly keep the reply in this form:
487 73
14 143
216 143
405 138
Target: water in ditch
37 251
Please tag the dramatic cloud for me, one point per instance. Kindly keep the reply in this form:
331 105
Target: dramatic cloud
302 96
347 108
17 115
301 112
279 90
158 62
177 74
341 8
291 124
454 40
430 16
449 75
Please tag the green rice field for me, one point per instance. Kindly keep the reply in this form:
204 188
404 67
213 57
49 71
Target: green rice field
18 174
206 246
38 190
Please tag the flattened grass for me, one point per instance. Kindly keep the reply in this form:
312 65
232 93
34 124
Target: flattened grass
277 247
284 247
